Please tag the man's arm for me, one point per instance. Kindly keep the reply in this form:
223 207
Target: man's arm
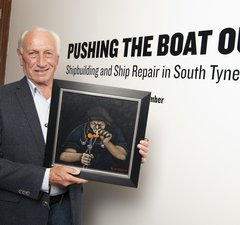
70 155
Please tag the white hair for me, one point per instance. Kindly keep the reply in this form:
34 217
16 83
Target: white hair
55 36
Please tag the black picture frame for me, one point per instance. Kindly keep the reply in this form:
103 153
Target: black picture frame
128 110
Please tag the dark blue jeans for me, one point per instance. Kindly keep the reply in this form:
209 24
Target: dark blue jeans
60 213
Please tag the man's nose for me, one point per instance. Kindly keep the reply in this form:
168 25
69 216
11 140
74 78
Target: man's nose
41 60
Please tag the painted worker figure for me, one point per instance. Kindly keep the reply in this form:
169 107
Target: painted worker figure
97 144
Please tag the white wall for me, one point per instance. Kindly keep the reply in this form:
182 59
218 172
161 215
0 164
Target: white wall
192 173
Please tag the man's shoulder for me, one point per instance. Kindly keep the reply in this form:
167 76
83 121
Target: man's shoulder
11 86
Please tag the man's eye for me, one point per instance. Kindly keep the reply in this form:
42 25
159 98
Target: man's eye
32 53
48 53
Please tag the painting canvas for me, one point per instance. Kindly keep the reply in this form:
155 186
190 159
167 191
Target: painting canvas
96 129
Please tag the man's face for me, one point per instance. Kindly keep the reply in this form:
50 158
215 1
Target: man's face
39 57
97 125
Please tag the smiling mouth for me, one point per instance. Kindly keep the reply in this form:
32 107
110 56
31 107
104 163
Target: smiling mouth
42 71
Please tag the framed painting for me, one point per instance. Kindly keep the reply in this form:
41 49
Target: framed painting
96 129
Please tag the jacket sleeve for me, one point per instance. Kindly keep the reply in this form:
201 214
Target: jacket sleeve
22 145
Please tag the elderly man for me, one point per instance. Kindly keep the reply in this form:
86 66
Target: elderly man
31 194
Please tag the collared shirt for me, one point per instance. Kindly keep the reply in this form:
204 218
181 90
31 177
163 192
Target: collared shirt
43 108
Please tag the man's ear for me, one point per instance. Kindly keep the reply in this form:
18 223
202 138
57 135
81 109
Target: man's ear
20 57
57 59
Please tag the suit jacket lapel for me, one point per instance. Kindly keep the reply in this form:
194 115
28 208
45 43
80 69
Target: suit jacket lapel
25 99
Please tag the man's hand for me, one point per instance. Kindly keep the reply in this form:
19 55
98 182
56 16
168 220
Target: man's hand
64 176
143 147
105 136
86 159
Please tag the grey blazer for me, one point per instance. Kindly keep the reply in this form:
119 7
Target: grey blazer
22 151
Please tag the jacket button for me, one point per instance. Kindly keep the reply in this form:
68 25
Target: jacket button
45 204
